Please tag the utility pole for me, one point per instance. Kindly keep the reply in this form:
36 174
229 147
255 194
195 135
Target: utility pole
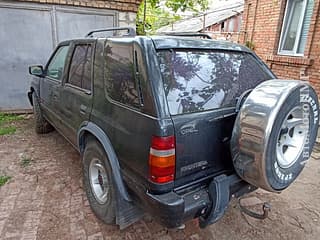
204 22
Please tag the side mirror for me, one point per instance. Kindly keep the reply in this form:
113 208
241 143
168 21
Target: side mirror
36 70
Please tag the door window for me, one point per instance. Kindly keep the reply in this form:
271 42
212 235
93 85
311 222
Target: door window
80 68
56 66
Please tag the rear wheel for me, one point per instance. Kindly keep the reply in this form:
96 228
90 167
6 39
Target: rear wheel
41 124
98 181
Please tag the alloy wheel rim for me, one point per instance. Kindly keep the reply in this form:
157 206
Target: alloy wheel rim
99 181
292 136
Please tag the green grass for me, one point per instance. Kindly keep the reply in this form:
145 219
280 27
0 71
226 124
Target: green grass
4 179
7 130
4 120
25 161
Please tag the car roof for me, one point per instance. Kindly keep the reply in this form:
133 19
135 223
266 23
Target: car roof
174 42
169 42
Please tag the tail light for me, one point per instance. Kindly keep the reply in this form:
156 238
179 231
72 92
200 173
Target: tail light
162 159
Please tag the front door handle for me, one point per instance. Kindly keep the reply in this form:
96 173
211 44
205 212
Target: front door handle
83 109
55 97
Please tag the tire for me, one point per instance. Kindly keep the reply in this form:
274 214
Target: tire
274 133
41 124
94 160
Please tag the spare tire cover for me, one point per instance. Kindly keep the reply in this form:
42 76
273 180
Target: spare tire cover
274 133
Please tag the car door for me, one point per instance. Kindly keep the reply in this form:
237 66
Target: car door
51 84
76 93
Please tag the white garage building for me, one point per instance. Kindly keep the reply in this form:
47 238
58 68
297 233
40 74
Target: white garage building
30 30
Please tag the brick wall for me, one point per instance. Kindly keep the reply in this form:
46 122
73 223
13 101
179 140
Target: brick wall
121 5
262 23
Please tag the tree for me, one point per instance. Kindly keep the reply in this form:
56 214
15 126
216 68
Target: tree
152 17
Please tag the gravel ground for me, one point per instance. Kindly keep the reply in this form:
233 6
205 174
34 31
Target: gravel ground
44 199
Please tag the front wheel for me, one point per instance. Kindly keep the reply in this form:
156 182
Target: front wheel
98 181
41 124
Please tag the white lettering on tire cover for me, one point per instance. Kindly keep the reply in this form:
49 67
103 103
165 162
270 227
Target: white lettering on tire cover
306 98
280 174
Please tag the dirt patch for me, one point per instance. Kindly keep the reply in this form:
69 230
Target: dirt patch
44 199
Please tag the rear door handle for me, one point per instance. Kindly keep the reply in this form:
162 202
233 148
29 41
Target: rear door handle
83 109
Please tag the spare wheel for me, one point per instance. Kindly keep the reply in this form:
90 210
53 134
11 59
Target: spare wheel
274 133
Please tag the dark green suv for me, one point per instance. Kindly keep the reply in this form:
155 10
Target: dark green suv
173 125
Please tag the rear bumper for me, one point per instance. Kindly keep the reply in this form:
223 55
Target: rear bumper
174 208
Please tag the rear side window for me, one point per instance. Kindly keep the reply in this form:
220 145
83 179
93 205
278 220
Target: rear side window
202 80
80 67
120 84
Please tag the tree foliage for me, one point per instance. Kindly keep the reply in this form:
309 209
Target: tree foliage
157 17
183 5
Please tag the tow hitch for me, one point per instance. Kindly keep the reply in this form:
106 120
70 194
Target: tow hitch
266 208
220 195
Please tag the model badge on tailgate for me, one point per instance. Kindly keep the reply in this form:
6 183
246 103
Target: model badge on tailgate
192 166
188 128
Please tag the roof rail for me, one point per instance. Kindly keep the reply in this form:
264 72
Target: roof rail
131 32
188 34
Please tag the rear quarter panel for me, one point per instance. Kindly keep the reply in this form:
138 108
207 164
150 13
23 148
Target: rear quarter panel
129 130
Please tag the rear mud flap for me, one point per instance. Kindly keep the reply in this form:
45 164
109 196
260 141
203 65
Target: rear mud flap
127 213
219 192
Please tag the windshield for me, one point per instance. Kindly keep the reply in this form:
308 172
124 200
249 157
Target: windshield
198 80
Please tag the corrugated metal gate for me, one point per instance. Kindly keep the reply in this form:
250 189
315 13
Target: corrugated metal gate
29 33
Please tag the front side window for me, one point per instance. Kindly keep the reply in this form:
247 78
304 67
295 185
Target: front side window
56 66
120 84
198 80
295 27
80 67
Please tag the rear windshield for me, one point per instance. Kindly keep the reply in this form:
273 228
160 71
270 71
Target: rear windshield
203 80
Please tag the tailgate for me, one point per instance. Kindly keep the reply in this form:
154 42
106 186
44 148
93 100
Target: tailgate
202 88
202 144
